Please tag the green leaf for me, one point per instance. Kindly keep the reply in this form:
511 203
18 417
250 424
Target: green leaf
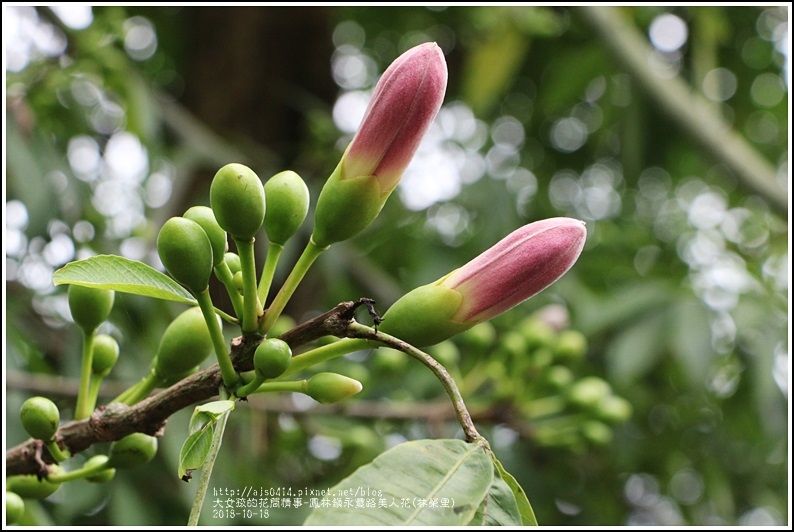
424 482
112 272
195 450
524 507
499 508
216 408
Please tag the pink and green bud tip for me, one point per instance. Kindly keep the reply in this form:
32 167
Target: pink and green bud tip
519 266
403 105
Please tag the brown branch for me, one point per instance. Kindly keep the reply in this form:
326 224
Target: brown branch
114 421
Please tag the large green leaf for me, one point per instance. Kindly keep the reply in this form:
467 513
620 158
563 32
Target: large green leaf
499 508
524 507
122 275
424 482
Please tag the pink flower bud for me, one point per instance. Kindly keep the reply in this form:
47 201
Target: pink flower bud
519 266
522 264
403 105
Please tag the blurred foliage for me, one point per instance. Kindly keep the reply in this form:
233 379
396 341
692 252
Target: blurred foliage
117 120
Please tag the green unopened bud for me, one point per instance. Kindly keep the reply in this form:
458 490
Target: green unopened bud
132 450
185 344
40 418
30 487
15 507
237 197
186 253
206 219
613 409
287 198
570 345
272 358
596 432
89 306
588 392
106 353
328 388
105 475
558 377
232 261
537 333
514 345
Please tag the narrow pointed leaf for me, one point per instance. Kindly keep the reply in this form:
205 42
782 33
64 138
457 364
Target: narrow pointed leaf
424 482
195 450
112 272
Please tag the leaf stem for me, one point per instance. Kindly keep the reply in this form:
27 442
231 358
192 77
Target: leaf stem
307 258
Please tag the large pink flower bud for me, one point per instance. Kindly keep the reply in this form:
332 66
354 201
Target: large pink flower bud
403 105
519 266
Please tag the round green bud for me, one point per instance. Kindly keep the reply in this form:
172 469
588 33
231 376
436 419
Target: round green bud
596 432
537 333
613 409
287 205
89 306
30 487
588 392
233 262
558 377
104 475
106 353
570 345
329 388
237 279
15 508
186 253
206 219
542 357
132 450
185 344
514 345
40 418
272 358
237 197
